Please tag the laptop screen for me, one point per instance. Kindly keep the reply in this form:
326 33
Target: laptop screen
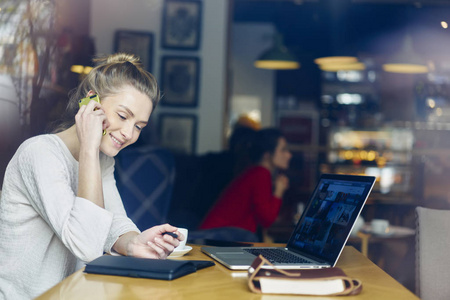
329 217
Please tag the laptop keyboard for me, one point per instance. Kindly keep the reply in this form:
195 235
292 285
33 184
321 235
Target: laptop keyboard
277 256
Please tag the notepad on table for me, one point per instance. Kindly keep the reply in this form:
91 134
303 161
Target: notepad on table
145 268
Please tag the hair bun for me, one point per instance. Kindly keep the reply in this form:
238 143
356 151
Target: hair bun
118 58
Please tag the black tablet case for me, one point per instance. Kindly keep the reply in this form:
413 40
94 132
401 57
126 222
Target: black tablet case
144 268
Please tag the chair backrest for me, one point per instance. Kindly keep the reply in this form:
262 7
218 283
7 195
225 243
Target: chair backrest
432 258
145 177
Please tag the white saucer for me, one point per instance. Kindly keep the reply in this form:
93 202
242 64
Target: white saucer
397 231
181 252
389 232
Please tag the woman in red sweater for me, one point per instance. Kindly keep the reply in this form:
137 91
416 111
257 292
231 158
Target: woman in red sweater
251 200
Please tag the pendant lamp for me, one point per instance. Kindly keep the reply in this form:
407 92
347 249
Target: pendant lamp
335 60
339 63
278 57
406 61
334 67
82 55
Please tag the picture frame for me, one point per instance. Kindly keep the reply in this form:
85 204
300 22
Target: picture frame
178 132
180 81
140 43
299 127
182 21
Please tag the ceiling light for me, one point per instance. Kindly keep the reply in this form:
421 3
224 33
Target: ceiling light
335 60
355 66
406 61
80 69
77 69
87 69
277 58
405 68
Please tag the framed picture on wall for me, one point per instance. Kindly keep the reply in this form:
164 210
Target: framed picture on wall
180 81
139 43
177 132
181 28
299 128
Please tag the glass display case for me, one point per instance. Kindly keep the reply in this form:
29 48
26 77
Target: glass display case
385 153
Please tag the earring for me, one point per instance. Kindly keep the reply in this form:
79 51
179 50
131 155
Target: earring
104 132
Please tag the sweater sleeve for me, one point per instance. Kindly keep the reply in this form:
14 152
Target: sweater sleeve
265 206
121 223
81 225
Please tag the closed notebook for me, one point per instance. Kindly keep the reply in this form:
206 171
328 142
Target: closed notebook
320 282
145 268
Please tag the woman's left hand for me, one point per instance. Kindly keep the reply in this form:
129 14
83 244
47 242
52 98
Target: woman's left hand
153 243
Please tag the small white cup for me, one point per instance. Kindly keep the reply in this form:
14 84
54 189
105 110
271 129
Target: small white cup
380 226
184 232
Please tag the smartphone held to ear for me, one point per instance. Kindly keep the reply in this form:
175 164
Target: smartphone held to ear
86 100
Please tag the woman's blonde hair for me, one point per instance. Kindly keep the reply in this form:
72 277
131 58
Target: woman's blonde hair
110 74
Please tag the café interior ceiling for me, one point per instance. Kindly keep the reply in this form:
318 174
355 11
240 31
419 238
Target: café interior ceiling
372 30
352 27
411 2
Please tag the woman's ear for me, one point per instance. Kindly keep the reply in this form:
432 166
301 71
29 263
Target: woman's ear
90 93
267 156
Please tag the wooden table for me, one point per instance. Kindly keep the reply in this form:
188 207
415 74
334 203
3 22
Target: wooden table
218 282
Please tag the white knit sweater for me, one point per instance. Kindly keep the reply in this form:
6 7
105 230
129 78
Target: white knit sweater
44 226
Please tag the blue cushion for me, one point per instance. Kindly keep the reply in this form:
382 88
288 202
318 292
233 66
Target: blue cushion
145 177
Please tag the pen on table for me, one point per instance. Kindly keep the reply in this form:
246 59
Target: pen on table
172 234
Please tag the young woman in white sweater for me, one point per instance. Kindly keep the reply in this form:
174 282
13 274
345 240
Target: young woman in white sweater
59 202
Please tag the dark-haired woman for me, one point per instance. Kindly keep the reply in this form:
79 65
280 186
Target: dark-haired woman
254 198
59 202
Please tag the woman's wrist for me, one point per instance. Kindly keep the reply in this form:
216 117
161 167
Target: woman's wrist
279 193
279 190
125 243
89 151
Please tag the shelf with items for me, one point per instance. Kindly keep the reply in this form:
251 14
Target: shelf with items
381 145
386 153
393 184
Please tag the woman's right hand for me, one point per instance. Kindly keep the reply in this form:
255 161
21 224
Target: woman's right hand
90 122
281 185
151 243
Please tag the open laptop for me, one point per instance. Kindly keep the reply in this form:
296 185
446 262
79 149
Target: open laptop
321 233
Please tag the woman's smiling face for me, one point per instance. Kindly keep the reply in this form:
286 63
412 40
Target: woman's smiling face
128 113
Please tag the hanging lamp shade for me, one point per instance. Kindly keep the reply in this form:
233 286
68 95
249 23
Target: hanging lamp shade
334 67
80 69
82 55
277 58
406 61
335 60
